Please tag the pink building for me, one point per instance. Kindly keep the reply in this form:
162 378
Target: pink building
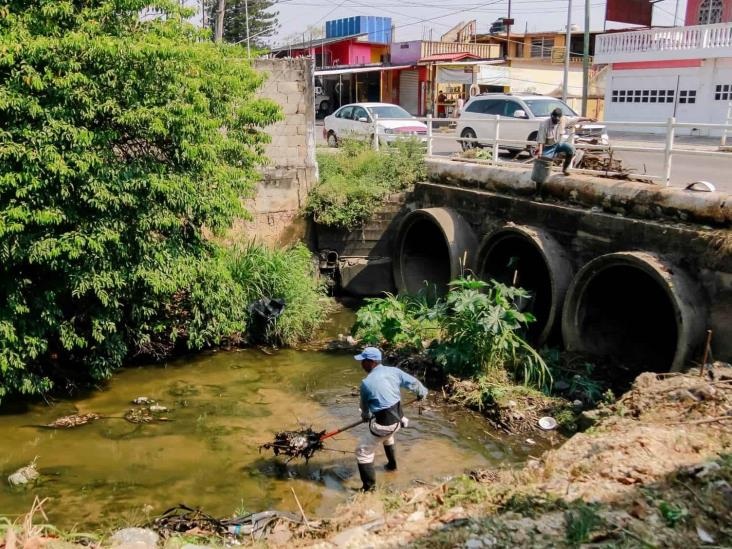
684 72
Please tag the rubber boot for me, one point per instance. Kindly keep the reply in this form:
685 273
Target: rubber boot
368 476
390 452
565 165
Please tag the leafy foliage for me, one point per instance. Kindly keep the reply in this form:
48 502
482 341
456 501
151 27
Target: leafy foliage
354 181
403 322
482 327
121 140
288 274
476 329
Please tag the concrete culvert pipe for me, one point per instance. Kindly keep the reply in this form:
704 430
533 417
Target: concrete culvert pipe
529 258
637 309
433 245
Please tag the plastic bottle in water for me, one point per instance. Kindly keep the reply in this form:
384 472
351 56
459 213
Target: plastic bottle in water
235 529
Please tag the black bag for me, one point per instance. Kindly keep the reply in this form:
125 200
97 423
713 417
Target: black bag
262 315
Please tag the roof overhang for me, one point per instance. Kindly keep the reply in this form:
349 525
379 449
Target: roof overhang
352 70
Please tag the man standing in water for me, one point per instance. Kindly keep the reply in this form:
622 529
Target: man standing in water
381 405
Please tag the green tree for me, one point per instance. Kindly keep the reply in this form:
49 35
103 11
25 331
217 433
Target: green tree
262 20
122 142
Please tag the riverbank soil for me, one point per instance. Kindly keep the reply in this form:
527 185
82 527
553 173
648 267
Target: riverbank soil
652 470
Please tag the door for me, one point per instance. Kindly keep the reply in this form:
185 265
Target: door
361 125
409 91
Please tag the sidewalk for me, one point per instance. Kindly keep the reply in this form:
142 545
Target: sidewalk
688 142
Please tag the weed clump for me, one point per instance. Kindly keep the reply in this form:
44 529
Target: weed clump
354 182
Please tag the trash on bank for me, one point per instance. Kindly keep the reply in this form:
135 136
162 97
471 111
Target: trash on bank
24 475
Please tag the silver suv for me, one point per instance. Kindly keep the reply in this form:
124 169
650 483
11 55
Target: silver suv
523 114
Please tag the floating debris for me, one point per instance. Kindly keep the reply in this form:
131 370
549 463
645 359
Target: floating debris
74 420
143 400
24 475
303 443
145 414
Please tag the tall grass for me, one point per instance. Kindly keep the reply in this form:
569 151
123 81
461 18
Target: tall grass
288 274
354 181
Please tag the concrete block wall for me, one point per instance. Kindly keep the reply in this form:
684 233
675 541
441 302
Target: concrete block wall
292 169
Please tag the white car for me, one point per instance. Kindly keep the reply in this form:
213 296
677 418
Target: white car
523 114
358 121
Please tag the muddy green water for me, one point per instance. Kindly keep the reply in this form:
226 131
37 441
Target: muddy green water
222 406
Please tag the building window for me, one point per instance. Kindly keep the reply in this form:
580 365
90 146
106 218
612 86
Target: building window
687 96
652 96
723 92
542 47
710 11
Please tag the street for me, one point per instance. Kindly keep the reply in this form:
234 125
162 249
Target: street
686 168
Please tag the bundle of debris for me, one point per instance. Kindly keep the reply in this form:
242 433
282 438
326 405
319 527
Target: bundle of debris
293 444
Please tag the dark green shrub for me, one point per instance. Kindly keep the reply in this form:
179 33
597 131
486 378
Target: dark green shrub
354 181
121 140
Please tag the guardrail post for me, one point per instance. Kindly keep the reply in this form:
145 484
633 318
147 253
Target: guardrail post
376 132
495 137
429 134
667 153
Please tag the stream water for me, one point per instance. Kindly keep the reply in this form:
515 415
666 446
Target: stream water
222 406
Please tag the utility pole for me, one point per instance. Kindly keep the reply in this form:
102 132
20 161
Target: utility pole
567 44
246 18
220 8
508 32
586 60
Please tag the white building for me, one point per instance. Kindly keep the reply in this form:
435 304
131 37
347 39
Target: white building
684 72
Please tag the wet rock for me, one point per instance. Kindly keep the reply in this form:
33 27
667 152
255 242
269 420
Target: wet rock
352 537
24 475
417 516
134 538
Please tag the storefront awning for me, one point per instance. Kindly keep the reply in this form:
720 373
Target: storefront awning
351 70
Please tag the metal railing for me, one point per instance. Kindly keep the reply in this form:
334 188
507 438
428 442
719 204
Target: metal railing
666 43
495 141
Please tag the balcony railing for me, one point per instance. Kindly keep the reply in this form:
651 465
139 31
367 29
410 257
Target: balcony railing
703 41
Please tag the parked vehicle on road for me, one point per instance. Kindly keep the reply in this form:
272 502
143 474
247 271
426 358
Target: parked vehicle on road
360 120
321 101
478 120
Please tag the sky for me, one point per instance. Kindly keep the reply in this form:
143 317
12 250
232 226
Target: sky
413 19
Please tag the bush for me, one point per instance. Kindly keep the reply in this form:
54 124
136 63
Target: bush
477 330
354 181
121 140
289 274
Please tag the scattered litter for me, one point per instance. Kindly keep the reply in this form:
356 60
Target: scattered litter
143 400
704 536
530 441
547 423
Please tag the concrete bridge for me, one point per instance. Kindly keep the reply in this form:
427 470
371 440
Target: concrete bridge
616 268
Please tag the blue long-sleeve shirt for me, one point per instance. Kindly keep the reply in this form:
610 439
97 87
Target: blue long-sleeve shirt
380 389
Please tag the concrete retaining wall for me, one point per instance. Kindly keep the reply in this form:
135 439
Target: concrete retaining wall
292 169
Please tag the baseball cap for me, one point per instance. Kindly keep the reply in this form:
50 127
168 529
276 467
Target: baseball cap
369 353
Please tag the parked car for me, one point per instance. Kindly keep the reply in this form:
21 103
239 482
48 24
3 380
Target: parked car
356 121
321 101
478 120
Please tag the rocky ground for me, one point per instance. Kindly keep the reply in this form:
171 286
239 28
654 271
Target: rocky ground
654 469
